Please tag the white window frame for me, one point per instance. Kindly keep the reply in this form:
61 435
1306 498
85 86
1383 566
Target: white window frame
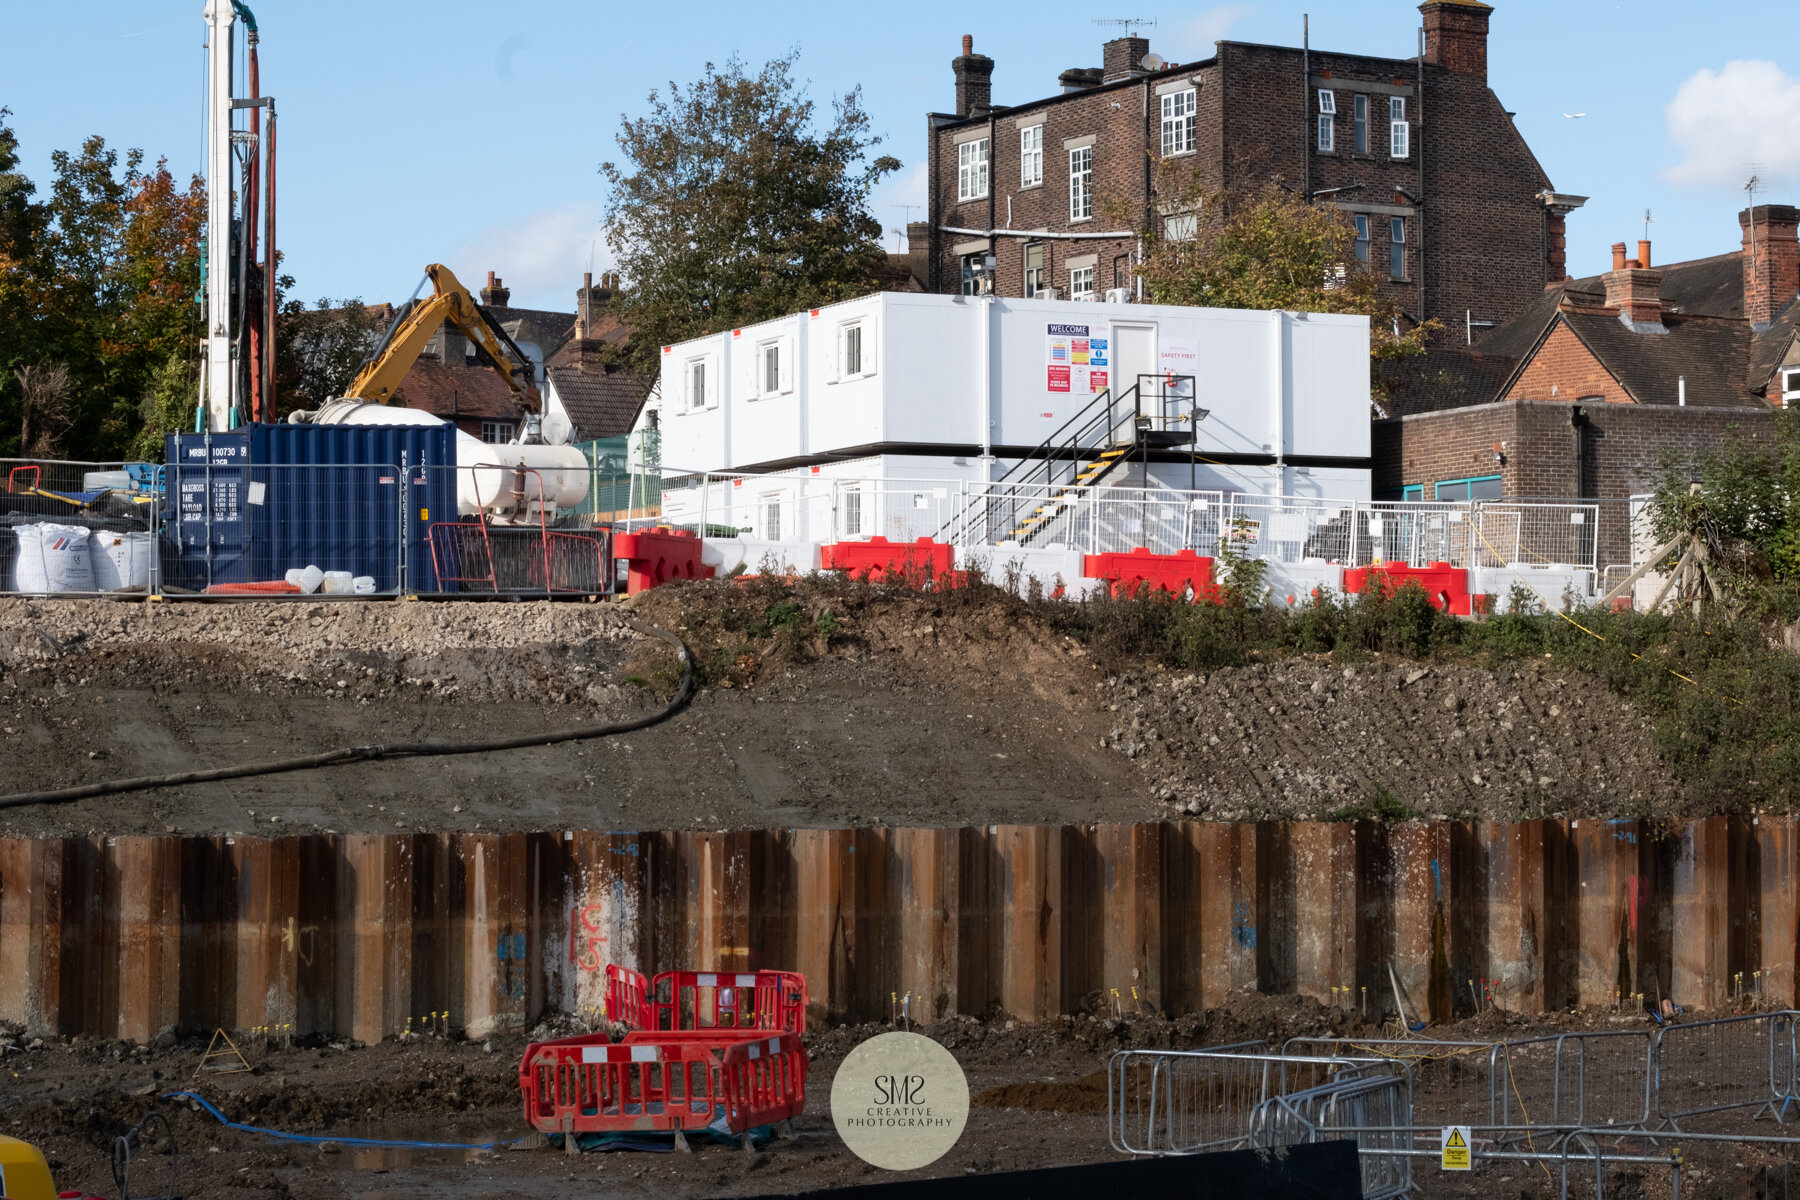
972 170
770 504
1327 102
1364 233
1359 124
1790 386
1178 122
1081 183
1031 156
1399 132
760 385
1397 247
850 507
1081 283
498 433
1327 141
1034 276
708 392
1181 227
862 331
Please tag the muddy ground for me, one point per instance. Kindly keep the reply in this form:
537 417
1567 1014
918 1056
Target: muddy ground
1039 1092
866 708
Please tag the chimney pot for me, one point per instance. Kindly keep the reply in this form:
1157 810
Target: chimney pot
968 43
1618 256
1643 254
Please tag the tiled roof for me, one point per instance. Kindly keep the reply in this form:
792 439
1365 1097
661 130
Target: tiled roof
600 402
1709 353
459 391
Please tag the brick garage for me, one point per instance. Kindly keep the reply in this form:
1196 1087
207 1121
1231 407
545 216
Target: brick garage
1483 230
1622 448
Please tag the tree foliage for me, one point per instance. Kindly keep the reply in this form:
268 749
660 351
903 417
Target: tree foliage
98 279
1270 249
320 349
1742 498
729 206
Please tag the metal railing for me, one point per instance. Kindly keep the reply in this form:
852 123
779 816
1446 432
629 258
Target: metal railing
1729 1063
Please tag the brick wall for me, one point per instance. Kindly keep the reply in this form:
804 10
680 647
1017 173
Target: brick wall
1624 447
1565 370
1480 241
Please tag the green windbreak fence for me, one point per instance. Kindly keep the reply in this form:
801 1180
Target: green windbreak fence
619 481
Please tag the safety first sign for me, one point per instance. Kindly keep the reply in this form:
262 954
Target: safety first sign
1457 1156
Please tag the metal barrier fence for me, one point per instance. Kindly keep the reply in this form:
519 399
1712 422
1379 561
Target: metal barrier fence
231 523
1731 1063
1243 1096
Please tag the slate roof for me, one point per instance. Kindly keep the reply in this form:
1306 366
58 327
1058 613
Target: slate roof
1708 341
601 402
457 391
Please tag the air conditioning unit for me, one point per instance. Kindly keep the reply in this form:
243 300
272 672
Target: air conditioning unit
1048 293
1118 295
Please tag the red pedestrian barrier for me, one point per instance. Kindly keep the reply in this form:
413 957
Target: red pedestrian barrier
626 992
659 555
662 1081
750 1000
1180 574
881 561
1445 585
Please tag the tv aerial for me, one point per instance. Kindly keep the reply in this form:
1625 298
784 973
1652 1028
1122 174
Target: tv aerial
1127 25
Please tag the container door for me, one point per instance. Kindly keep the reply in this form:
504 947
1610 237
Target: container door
1134 355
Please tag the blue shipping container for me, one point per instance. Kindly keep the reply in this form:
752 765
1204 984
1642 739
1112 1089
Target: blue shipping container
357 498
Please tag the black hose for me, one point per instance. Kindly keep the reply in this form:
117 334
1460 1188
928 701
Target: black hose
356 754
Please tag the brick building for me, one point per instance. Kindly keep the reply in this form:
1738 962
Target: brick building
1449 204
1587 392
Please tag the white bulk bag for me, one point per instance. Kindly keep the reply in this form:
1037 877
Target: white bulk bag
121 560
52 558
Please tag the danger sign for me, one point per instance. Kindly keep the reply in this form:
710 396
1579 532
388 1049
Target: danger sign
1457 1156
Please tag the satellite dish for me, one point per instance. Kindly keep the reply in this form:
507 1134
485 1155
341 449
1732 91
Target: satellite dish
1153 62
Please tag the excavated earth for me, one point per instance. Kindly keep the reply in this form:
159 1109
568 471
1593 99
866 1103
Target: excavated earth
857 706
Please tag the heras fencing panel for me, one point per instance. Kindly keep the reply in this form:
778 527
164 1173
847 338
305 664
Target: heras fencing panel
1538 532
76 528
1374 1108
1729 1063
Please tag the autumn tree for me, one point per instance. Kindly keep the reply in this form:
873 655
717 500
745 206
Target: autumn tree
318 350
730 206
1270 249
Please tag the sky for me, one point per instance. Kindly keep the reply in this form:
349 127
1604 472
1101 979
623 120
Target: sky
471 134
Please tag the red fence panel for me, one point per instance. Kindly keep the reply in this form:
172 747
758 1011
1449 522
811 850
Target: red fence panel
1179 574
656 556
1447 586
878 560
684 1000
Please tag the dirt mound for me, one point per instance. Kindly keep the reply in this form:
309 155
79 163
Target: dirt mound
1305 738
1084 1095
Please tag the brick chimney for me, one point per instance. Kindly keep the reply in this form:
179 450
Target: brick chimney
1771 260
974 80
1635 290
1079 79
494 295
1122 58
1456 35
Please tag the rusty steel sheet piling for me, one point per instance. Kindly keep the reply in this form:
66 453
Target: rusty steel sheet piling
364 936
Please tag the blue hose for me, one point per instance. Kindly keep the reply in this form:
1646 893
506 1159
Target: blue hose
342 1141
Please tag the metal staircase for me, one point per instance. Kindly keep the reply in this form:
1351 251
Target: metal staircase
1043 491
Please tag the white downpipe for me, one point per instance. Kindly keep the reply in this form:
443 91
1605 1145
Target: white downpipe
987 389
1278 393
219 185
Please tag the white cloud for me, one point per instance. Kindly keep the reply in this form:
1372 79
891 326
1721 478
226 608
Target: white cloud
1197 34
1723 121
539 257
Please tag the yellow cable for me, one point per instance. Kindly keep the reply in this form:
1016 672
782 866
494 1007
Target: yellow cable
1549 607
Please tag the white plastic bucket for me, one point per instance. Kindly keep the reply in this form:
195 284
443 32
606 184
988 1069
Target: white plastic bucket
52 558
121 560
337 583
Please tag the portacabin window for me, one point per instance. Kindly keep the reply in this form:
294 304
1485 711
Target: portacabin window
1362 237
856 353
1178 117
771 506
1327 121
1031 156
771 368
972 170
1359 123
852 502
1397 247
1081 183
1081 283
696 384
1399 132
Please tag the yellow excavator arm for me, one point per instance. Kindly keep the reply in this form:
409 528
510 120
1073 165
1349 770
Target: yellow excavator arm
419 321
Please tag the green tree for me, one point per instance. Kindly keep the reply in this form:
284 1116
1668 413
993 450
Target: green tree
318 350
730 207
1270 249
